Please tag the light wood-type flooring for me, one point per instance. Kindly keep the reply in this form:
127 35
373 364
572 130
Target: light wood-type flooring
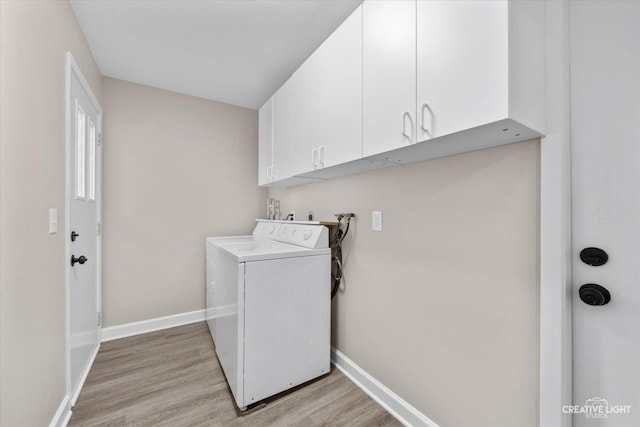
173 378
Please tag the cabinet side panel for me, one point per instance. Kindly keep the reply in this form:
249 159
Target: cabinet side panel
527 63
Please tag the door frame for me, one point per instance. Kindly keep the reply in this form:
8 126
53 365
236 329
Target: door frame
72 68
555 225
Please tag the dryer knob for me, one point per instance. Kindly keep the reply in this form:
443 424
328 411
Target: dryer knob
308 234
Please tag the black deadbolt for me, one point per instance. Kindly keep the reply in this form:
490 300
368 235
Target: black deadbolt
73 236
593 294
80 260
594 256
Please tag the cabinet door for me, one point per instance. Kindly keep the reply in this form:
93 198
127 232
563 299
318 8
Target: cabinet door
320 106
265 140
389 74
291 148
462 65
336 95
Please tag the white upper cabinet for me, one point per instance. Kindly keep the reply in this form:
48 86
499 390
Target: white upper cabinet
389 74
479 62
463 52
477 74
265 143
402 81
337 125
318 111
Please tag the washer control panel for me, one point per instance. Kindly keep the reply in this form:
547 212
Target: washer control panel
267 229
306 235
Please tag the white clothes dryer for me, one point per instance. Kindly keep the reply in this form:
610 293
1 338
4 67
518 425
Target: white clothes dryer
269 307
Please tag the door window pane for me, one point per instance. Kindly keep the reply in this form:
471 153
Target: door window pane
92 161
80 152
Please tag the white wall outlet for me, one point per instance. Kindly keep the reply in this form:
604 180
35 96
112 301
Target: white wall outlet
376 221
53 221
293 215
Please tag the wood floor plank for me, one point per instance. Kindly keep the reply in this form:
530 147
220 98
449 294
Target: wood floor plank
173 378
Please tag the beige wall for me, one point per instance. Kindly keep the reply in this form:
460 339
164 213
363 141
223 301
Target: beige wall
449 322
34 38
442 306
176 170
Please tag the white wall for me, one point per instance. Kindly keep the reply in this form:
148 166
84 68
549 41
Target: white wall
443 305
34 38
176 170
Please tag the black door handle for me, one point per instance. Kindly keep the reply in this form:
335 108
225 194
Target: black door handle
80 260
73 236
594 294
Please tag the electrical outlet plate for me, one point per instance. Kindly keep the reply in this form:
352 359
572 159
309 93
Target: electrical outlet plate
376 221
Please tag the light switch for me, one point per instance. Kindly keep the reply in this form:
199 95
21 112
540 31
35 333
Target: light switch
53 221
376 221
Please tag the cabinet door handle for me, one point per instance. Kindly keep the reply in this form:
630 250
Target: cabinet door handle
404 126
269 172
321 155
314 157
423 107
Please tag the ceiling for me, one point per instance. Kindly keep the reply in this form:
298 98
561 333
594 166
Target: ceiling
234 51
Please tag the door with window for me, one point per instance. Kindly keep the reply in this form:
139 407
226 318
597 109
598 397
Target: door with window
84 148
605 163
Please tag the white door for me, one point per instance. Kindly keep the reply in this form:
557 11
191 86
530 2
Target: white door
462 65
605 156
83 210
389 75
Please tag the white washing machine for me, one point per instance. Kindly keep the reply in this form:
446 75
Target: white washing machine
269 307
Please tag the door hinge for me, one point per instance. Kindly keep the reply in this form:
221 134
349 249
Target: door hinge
99 138
99 229
99 322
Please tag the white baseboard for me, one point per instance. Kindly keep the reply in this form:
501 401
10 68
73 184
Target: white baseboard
394 404
151 325
63 414
75 393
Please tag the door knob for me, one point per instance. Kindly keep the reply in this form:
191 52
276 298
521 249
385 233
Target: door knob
80 260
593 294
594 256
74 235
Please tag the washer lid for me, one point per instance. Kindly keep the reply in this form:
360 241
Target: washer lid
266 249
